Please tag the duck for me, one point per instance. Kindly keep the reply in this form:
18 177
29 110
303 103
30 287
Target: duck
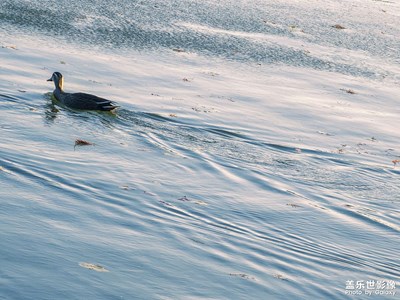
81 101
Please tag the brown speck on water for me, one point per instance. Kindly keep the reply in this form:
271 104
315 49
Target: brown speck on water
338 26
178 50
349 91
395 162
186 79
79 142
173 115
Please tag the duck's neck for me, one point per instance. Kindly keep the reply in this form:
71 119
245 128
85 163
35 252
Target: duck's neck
59 85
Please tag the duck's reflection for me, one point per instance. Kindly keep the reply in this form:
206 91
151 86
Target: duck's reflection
50 112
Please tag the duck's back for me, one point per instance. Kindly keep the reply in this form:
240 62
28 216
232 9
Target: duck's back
85 101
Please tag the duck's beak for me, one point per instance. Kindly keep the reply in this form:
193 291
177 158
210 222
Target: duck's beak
50 79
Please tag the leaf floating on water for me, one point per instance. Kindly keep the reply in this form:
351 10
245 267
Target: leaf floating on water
173 115
338 26
395 162
93 267
79 142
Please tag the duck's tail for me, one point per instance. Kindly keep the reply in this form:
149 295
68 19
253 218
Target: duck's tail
109 107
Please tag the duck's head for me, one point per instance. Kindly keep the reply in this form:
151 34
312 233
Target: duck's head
58 80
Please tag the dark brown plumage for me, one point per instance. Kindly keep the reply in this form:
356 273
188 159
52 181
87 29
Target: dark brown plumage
79 100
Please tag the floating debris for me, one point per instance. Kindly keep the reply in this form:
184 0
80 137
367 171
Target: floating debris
165 203
338 26
213 74
324 133
10 47
184 198
22 91
280 276
173 115
349 91
199 202
242 275
125 187
186 79
203 109
149 193
395 162
178 50
79 142
62 62
153 94
293 205
93 267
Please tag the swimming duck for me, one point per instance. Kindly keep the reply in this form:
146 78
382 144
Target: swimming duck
79 100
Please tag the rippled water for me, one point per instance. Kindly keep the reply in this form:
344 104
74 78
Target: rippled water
254 155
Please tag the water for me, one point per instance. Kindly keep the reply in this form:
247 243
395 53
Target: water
239 166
